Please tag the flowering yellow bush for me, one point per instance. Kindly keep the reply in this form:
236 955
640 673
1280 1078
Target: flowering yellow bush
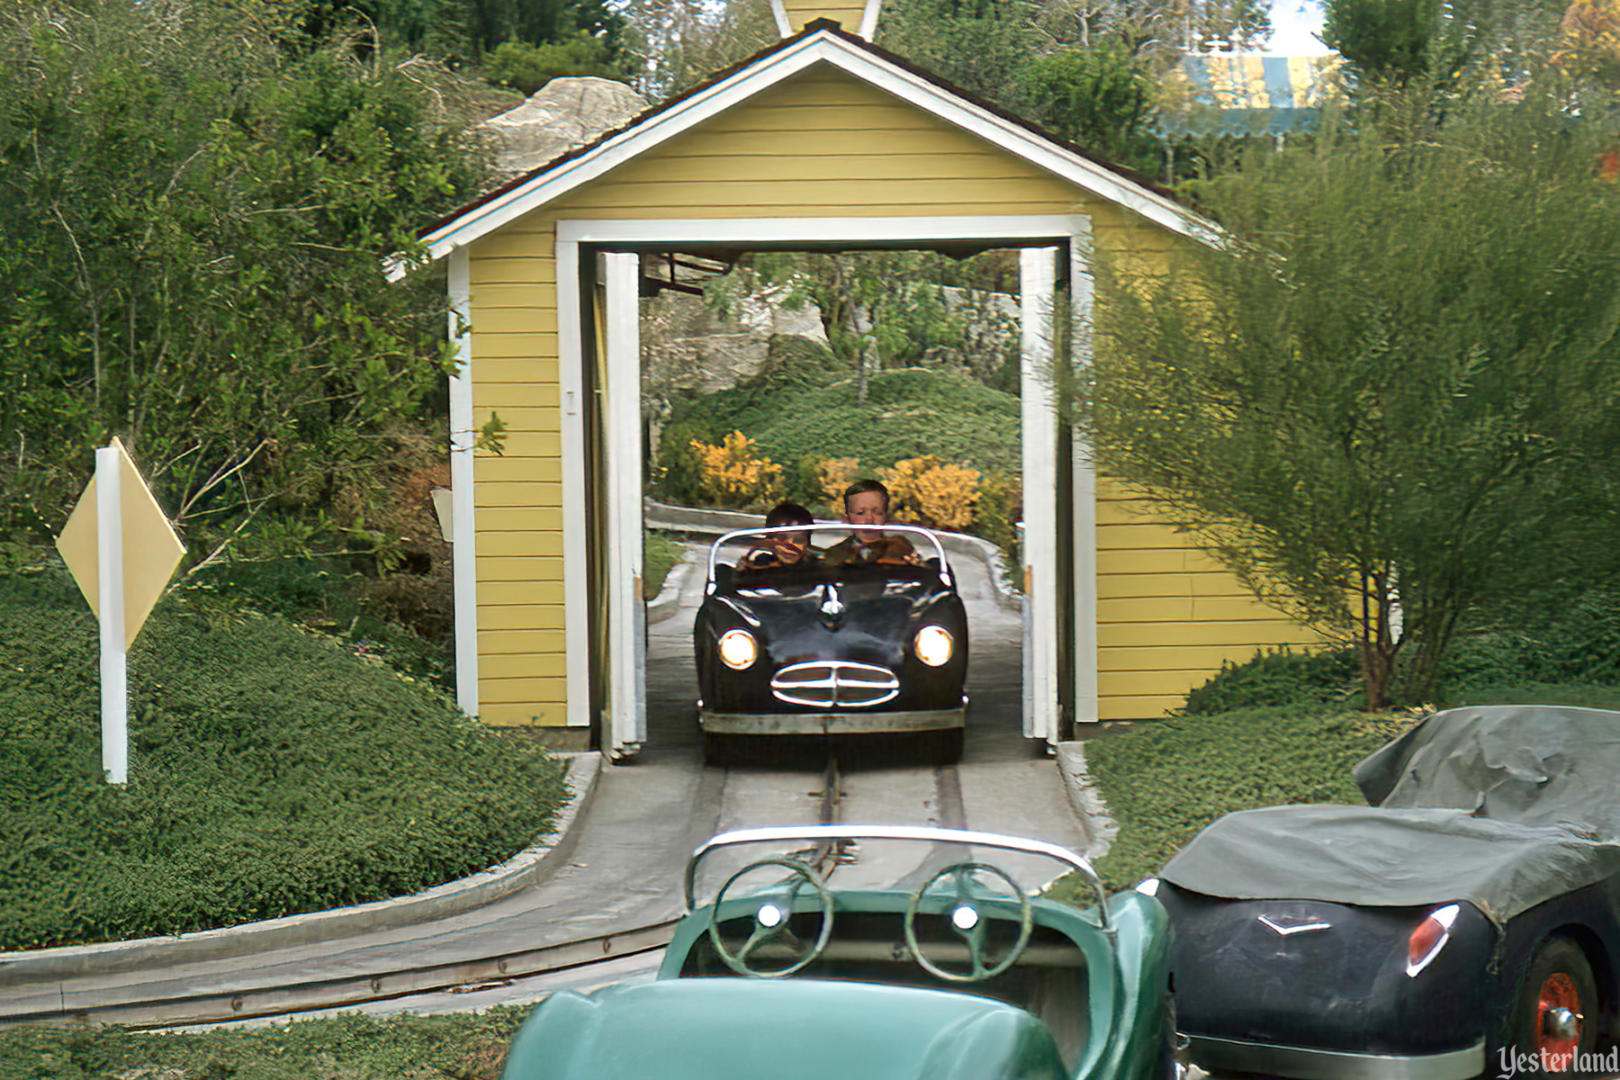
732 476
836 474
937 493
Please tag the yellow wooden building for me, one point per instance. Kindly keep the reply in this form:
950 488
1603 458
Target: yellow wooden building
822 142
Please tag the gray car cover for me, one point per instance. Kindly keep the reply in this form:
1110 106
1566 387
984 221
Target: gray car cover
1503 806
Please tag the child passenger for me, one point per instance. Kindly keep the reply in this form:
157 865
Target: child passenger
780 550
866 503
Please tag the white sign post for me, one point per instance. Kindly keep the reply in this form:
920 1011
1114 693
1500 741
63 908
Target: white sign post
114 652
121 549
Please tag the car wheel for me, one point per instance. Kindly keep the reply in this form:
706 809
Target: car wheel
718 749
1555 1016
947 746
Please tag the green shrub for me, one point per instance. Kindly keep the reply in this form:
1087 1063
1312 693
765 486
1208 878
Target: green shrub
348 1046
272 770
401 618
1280 677
908 413
527 67
1165 781
659 555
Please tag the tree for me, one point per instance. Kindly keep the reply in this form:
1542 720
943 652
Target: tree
1099 98
1391 398
673 44
1399 42
194 204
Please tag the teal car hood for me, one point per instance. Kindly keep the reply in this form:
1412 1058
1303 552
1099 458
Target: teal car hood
712 1029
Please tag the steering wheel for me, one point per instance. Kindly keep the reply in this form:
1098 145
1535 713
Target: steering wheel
967 917
771 918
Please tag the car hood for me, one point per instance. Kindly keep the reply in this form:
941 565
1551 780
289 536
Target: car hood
1387 857
712 1029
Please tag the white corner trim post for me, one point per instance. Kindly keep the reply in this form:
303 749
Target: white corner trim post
576 522
869 19
110 597
627 627
784 25
463 528
1037 288
1087 703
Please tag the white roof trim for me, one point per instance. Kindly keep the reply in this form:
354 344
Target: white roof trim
820 47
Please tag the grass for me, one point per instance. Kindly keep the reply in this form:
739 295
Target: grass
662 551
273 770
1275 730
464 1047
1165 781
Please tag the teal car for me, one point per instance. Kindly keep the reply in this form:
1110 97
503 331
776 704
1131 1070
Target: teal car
868 952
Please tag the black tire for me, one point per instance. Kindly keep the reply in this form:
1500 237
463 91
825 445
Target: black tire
718 750
1167 1068
1558 956
947 746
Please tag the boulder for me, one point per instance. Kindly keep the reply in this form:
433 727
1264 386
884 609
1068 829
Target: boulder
563 114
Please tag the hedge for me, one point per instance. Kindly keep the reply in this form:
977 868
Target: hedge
272 771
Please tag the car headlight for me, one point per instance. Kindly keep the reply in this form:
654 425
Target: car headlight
933 645
738 649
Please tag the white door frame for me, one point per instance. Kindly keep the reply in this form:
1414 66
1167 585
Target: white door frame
1038 448
622 411
622 454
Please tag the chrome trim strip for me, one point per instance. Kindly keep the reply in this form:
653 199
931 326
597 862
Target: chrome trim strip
872 683
927 534
924 833
1308 1063
1286 930
831 723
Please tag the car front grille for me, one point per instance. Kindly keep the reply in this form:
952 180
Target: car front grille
838 684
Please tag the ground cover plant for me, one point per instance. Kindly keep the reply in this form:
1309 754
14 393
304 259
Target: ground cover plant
663 550
463 1047
1289 728
273 769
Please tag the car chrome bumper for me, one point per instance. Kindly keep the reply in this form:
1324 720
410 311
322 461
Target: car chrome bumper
831 723
1306 1063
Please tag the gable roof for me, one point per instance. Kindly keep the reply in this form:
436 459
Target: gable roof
820 42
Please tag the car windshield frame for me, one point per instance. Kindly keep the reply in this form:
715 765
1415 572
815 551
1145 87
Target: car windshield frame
921 833
838 526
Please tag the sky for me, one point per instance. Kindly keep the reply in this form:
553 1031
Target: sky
1294 22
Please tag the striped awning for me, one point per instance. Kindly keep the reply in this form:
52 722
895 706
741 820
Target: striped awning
1247 93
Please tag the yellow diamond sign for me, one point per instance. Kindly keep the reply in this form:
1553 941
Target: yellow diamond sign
151 548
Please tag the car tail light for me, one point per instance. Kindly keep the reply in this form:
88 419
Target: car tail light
1430 937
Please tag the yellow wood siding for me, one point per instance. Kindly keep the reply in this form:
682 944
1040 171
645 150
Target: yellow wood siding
1167 614
820 144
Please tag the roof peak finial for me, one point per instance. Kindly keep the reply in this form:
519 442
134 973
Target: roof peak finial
853 16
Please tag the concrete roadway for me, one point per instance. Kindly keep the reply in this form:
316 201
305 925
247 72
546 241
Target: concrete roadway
1004 783
624 874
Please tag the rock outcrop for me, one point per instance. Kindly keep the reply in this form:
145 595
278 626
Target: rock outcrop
563 114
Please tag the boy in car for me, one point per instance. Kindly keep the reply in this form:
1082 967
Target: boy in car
780 550
866 503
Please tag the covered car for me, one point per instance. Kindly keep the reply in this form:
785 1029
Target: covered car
877 953
1466 922
823 647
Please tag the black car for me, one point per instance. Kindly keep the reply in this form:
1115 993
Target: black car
1465 923
821 646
